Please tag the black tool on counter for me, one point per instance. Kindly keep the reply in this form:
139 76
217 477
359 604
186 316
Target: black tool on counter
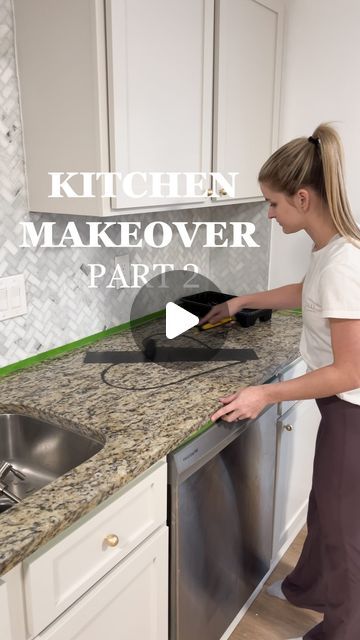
247 317
170 354
201 303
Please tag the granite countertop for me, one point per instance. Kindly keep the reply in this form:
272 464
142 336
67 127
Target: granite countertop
146 413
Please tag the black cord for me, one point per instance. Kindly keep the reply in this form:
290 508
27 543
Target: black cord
161 386
168 384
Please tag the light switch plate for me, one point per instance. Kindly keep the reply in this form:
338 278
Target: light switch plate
12 297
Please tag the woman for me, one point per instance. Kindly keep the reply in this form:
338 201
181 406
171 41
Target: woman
304 185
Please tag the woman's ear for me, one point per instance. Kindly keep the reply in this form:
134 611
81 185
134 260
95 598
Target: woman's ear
302 198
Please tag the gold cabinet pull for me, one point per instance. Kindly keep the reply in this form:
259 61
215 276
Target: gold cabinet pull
223 192
210 192
288 427
111 540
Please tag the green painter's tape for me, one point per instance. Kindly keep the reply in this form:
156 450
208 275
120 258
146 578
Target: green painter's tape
71 346
194 435
290 312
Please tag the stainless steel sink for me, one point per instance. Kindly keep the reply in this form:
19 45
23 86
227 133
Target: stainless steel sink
40 451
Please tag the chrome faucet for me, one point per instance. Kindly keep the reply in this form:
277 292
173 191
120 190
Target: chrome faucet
5 468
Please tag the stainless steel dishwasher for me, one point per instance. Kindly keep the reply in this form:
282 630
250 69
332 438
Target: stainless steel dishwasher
221 522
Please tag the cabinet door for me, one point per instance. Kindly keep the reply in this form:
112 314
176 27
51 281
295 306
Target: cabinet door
130 603
61 60
57 575
247 87
296 435
5 633
295 370
160 57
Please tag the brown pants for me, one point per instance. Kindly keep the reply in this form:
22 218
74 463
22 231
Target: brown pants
327 575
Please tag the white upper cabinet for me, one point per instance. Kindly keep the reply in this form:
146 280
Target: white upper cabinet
126 87
248 46
61 61
160 91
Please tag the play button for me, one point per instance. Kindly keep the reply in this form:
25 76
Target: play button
163 320
163 334
178 320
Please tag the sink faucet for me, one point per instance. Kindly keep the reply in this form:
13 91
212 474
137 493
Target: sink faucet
5 468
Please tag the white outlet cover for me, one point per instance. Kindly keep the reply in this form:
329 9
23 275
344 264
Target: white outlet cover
12 297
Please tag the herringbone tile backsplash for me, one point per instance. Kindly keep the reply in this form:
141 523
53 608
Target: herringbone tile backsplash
61 307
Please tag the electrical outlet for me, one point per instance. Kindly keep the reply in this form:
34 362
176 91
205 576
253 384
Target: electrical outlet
12 297
122 266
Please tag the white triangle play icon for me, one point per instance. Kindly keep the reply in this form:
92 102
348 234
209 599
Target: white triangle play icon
178 320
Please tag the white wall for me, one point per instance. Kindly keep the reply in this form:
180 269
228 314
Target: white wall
321 83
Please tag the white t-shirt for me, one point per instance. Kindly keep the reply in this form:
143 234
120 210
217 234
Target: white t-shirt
331 289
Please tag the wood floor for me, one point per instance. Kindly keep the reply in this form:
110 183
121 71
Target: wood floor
270 618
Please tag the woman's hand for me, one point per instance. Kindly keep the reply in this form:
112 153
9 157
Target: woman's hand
221 311
245 403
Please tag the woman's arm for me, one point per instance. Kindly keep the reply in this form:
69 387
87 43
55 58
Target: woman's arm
342 375
287 297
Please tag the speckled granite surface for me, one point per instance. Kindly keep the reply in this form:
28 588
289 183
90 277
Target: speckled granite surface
141 418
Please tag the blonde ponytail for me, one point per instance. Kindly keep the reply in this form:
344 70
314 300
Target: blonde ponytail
315 162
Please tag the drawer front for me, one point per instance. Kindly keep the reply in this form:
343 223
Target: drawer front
60 574
294 371
131 602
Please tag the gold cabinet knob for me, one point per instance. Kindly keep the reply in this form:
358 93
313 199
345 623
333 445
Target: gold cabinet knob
111 540
210 192
223 192
288 427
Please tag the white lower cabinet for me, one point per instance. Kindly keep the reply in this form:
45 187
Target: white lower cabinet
91 581
296 436
104 577
62 571
5 629
130 603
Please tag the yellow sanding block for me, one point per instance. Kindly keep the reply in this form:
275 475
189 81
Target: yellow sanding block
208 325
